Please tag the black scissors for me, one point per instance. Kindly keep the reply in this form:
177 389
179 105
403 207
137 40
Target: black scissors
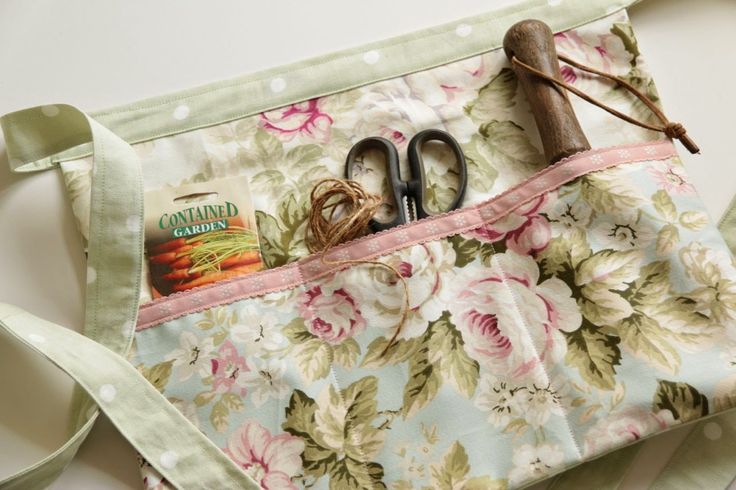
409 193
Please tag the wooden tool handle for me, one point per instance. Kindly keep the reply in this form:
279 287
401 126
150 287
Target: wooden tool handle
531 41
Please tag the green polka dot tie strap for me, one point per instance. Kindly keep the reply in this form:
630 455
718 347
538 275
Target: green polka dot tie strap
34 137
162 435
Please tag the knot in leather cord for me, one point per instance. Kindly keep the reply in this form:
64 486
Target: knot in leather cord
674 130
670 129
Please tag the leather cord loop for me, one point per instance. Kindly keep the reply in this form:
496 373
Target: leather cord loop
670 129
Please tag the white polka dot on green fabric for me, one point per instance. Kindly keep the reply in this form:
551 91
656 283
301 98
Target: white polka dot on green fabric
278 85
713 431
371 57
169 459
107 393
554 3
36 338
91 275
50 110
464 30
181 112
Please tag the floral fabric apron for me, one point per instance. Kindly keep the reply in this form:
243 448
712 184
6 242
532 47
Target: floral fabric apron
563 313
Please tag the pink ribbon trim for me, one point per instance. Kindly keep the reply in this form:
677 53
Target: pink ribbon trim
372 246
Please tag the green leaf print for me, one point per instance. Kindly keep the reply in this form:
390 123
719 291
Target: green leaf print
400 351
607 195
424 382
338 432
494 98
645 84
452 471
346 352
646 339
351 474
684 401
219 416
270 238
594 354
484 483
304 156
652 285
601 306
601 277
610 268
682 320
447 349
498 146
441 189
624 31
440 357
233 402
158 375
265 151
481 171
667 239
204 398
694 220
299 422
297 332
269 180
563 254
282 238
664 205
467 249
314 358
313 355
452 474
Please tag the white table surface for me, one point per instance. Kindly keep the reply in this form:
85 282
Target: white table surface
94 54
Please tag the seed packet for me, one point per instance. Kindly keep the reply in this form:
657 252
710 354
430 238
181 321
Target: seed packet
199 234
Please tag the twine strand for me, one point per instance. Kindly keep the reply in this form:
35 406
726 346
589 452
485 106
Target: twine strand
340 211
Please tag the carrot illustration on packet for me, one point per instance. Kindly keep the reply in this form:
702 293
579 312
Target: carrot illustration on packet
202 240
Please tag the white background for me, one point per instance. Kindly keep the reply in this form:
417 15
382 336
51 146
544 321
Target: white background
94 54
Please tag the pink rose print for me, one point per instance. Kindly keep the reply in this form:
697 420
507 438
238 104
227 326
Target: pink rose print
271 461
605 52
227 370
304 118
331 315
624 427
509 321
526 231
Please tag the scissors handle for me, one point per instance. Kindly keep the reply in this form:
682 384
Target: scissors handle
417 186
398 188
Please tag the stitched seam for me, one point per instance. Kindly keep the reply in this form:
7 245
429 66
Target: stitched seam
98 247
527 330
326 59
333 375
181 296
386 251
89 388
468 210
295 100
133 313
354 437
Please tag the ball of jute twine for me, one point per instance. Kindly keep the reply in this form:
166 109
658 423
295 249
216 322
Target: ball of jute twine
340 211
